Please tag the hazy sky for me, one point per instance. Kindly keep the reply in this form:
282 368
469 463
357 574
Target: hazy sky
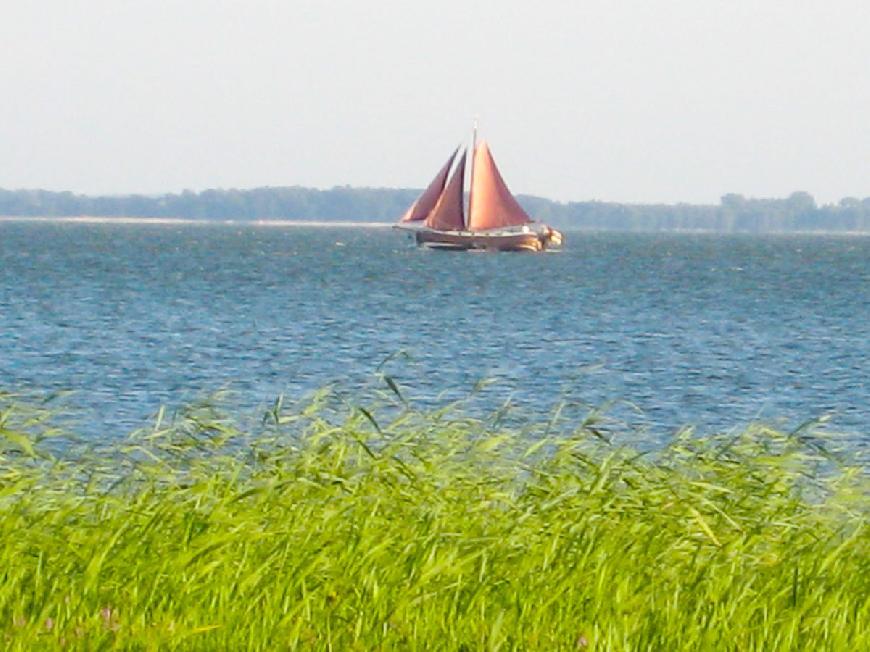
672 100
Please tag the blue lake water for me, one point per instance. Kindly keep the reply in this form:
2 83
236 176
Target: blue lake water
714 331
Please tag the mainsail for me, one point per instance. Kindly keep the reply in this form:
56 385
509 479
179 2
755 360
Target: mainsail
426 201
448 214
491 205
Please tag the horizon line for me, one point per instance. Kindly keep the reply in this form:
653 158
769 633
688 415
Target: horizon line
409 189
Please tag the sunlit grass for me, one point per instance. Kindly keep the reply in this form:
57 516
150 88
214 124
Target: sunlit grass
403 530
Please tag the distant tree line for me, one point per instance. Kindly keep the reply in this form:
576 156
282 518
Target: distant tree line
340 203
734 214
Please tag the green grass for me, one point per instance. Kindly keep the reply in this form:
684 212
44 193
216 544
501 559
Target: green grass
425 531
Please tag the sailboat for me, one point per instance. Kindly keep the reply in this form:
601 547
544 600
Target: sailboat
495 220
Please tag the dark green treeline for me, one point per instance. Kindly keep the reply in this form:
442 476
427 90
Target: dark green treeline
734 214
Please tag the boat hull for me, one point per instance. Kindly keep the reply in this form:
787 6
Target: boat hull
464 241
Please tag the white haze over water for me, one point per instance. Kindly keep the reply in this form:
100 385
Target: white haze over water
677 100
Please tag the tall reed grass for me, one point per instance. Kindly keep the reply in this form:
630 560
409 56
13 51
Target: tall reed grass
409 531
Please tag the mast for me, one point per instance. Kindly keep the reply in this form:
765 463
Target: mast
471 174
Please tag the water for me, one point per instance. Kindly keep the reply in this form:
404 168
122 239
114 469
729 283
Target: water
714 331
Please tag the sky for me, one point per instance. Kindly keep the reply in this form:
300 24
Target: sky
631 101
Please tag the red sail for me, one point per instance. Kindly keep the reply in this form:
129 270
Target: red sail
426 202
448 214
491 205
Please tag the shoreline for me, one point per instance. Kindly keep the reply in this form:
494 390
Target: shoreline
88 219
348 224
